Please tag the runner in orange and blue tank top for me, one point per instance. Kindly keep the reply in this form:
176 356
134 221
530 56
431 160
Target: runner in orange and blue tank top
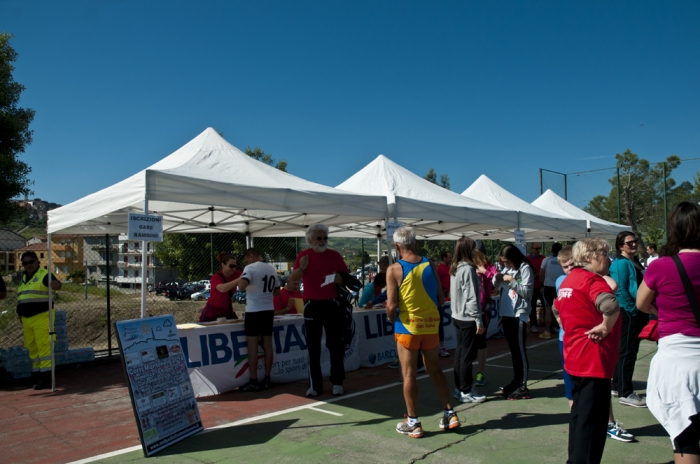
418 300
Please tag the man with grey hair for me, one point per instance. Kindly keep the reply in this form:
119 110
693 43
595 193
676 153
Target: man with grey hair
413 296
318 267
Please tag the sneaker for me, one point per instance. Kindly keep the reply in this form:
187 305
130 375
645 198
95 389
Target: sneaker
520 394
633 400
415 431
614 393
618 433
471 397
546 335
510 388
443 353
394 364
311 392
533 329
480 379
449 421
266 383
250 387
337 390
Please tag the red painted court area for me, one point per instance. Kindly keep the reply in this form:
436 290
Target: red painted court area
90 413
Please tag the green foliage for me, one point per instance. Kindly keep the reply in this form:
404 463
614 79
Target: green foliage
432 176
15 134
77 276
642 195
266 158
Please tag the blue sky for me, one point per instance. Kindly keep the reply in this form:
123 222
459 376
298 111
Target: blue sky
468 88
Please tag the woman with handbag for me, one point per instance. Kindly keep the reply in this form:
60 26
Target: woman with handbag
673 388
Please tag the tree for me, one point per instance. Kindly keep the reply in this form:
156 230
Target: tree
266 158
641 195
15 134
432 177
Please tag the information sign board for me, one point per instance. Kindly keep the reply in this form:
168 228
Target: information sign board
145 227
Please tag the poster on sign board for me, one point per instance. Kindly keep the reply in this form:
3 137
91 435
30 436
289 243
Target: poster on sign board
145 227
391 227
161 392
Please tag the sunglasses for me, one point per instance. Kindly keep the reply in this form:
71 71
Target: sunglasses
320 239
631 243
27 263
536 248
232 266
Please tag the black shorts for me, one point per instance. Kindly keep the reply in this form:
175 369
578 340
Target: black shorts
259 323
550 294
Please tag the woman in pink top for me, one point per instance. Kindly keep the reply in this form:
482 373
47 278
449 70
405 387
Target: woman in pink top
673 388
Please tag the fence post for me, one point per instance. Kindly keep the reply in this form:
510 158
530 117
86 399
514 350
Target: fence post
541 192
619 217
109 307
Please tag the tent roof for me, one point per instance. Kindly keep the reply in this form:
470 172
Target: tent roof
435 212
538 224
208 185
550 201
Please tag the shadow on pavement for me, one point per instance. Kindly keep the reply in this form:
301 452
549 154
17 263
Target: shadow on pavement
244 435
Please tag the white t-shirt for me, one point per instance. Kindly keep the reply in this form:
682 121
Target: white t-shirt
262 281
651 258
552 271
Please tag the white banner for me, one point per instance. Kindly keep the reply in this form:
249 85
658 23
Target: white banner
217 355
145 227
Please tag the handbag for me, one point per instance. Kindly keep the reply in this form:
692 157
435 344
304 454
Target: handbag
650 331
688 288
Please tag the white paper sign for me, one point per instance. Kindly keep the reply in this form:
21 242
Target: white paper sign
390 229
145 227
330 278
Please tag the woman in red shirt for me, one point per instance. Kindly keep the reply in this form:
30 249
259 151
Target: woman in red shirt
222 287
589 314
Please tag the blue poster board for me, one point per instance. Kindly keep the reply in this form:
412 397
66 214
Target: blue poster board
164 404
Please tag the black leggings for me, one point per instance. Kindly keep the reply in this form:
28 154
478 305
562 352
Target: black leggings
515 331
688 442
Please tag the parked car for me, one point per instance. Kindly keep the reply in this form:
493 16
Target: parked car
199 296
185 291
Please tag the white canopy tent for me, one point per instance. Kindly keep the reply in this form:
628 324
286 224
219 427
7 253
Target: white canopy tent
538 224
597 227
434 212
209 185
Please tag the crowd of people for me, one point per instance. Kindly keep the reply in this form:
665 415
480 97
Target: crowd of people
599 303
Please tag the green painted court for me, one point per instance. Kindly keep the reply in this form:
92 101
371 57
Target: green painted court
359 427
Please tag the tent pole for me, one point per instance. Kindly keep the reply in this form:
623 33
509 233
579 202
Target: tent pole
52 332
144 268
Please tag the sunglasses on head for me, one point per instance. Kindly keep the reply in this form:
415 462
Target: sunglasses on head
322 238
26 263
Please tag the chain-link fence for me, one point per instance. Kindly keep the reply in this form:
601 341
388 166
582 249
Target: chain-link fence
102 276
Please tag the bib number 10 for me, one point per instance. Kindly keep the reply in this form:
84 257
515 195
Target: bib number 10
269 283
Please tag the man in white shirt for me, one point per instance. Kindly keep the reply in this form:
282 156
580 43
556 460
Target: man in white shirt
651 250
260 281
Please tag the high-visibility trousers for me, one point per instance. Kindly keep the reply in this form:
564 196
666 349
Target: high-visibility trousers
36 340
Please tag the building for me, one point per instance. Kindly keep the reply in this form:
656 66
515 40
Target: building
66 253
130 265
97 253
9 242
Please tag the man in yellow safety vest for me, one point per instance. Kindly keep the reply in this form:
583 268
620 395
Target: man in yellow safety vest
33 312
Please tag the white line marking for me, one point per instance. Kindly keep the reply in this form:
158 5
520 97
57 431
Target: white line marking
531 370
286 411
327 412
